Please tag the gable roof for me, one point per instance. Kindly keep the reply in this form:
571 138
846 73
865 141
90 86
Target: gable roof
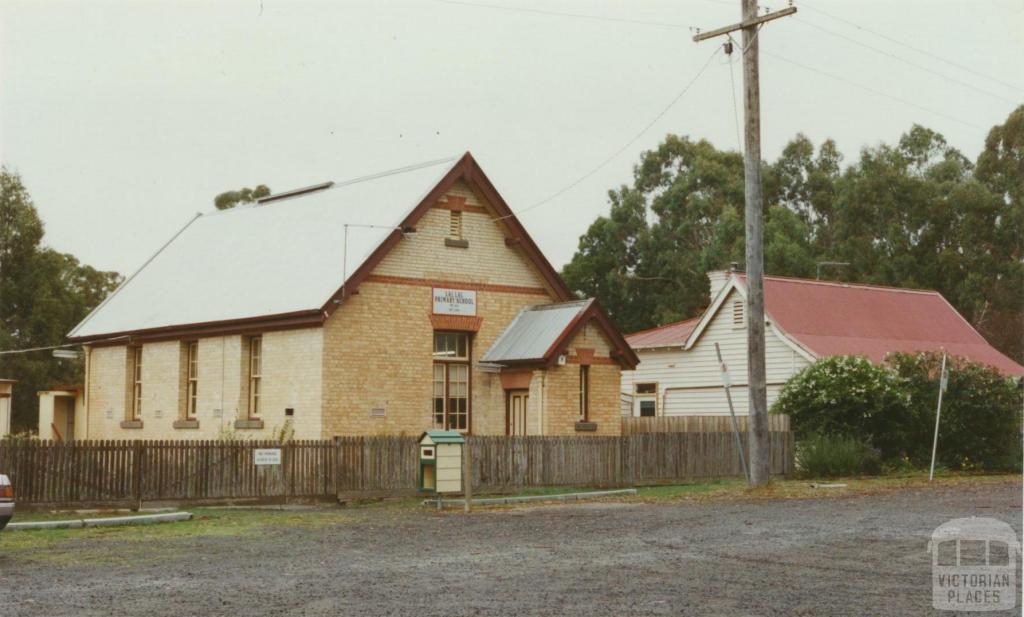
538 334
826 319
669 335
440 437
289 262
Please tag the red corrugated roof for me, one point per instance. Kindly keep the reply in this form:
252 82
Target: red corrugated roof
836 318
671 335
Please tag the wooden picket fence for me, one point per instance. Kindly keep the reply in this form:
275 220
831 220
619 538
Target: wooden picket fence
108 473
632 425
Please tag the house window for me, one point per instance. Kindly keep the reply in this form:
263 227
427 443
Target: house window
645 402
255 374
646 388
451 346
584 392
451 380
737 314
136 406
192 384
455 225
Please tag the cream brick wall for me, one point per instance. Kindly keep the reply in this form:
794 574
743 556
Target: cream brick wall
487 260
292 363
378 352
106 385
293 378
562 391
378 345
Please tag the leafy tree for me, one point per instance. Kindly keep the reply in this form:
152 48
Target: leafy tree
651 273
1001 169
43 294
805 183
654 273
230 199
606 262
915 214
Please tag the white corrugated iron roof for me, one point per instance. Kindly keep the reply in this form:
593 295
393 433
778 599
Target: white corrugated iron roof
259 260
533 331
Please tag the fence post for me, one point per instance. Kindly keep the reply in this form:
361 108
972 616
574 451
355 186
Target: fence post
337 466
467 475
287 469
137 475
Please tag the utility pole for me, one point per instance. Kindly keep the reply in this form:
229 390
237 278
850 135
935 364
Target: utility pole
760 447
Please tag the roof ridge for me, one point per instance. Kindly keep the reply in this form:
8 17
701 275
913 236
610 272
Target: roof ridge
796 279
256 204
668 325
556 305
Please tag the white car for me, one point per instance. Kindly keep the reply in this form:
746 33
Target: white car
6 500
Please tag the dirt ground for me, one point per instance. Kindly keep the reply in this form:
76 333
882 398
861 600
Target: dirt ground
863 555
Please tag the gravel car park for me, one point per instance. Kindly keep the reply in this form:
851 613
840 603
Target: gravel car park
838 555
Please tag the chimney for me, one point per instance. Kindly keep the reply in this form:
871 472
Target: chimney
718 279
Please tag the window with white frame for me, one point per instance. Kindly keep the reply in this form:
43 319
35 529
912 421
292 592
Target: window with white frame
255 374
136 394
584 392
451 380
192 383
645 400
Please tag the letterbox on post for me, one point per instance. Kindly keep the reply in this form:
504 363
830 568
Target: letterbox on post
441 462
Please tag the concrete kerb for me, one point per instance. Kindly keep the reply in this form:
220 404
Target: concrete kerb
488 501
113 521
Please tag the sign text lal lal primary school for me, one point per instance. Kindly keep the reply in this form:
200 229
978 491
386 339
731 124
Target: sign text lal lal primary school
454 302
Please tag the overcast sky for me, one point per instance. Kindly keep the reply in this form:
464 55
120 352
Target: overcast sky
125 118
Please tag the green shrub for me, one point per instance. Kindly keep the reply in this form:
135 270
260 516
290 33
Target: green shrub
848 396
981 413
828 456
891 407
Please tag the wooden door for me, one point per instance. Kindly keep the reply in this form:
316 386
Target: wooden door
517 404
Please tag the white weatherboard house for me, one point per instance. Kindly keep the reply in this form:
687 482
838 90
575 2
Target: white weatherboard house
679 373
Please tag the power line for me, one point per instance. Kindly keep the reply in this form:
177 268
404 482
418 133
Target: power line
904 60
735 107
911 47
625 20
872 90
64 346
633 140
520 9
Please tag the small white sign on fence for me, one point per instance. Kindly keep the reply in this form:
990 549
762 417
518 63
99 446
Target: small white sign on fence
267 456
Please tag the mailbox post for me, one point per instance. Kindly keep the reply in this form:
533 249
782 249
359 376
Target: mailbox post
441 455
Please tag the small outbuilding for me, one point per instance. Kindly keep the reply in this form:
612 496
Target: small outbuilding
60 413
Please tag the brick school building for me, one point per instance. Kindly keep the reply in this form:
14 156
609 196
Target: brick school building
389 304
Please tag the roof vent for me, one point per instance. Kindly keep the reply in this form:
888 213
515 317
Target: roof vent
737 313
323 186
